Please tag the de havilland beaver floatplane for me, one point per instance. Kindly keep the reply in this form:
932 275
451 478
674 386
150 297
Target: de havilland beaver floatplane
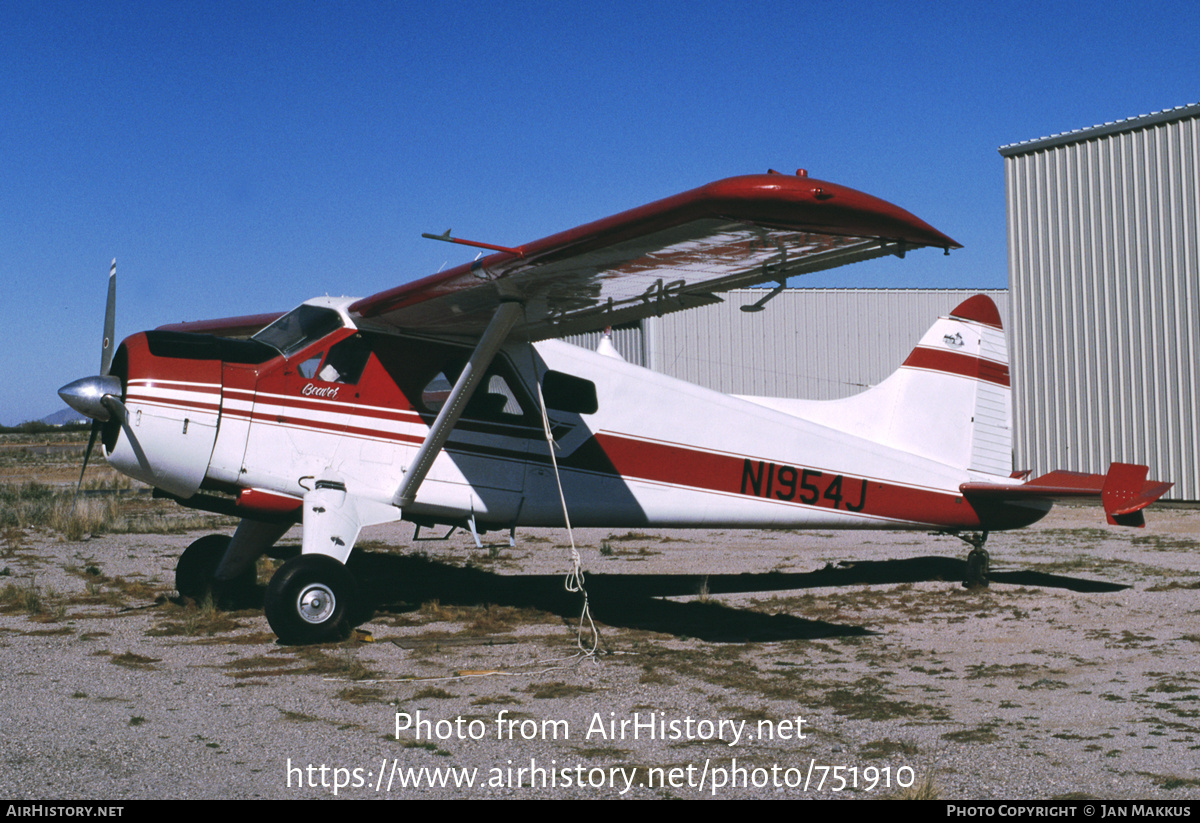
449 401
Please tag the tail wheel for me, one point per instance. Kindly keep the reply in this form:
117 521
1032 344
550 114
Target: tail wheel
978 565
311 600
196 567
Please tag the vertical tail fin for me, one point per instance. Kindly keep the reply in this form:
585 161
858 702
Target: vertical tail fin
951 399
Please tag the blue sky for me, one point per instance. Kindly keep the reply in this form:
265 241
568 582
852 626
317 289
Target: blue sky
242 157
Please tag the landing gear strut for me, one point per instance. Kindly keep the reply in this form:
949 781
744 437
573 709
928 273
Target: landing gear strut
978 560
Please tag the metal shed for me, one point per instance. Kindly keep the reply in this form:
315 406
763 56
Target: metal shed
1104 276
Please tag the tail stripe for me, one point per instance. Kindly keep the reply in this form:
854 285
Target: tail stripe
965 365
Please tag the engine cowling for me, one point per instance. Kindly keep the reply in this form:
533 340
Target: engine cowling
172 411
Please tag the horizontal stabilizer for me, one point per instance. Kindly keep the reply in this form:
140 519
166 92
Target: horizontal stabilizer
1126 492
1123 492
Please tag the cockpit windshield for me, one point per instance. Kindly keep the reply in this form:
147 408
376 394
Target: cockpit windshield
299 327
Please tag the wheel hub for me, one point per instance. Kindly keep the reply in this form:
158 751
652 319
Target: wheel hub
316 603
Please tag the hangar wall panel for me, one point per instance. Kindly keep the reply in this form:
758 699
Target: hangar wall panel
630 342
1104 275
818 344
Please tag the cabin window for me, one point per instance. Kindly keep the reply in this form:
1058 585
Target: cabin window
346 361
495 398
434 395
568 393
308 369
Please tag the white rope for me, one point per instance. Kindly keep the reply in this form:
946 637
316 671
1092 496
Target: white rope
574 579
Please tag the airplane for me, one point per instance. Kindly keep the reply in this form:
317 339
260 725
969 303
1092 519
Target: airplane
450 401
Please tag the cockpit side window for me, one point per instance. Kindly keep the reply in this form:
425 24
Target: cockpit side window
346 361
298 328
308 368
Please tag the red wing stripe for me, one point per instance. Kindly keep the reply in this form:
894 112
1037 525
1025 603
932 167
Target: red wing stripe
965 365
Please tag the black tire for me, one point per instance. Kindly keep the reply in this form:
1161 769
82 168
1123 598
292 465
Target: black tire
978 566
196 567
311 599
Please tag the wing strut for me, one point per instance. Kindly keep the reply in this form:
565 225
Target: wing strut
497 330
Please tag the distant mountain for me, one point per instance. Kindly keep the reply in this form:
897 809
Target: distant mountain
63 418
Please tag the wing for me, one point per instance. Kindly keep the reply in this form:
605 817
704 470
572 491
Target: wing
670 255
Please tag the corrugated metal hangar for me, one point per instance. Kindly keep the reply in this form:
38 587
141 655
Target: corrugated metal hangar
817 344
1104 277
1102 313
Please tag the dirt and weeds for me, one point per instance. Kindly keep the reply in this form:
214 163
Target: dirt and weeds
1072 675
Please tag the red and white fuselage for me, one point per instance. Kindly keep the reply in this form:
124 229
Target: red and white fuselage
654 451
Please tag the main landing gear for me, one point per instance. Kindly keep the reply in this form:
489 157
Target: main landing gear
312 599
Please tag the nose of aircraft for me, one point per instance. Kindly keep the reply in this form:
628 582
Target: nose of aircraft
96 397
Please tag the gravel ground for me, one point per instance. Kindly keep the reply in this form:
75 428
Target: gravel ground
794 664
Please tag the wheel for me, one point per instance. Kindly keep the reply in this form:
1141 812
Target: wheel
310 600
196 567
978 562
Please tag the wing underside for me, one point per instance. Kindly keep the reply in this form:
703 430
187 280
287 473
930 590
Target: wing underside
671 255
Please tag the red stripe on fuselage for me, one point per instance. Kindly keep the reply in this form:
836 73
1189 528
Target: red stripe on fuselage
144 392
677 465
777 482
143 400
361 421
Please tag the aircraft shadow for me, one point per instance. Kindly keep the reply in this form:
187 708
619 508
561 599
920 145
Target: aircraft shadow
401 583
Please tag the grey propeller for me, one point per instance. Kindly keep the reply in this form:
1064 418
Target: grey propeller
98 397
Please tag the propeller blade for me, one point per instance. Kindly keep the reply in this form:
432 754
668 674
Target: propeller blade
86 454
131 437
98 397
110 320
116 409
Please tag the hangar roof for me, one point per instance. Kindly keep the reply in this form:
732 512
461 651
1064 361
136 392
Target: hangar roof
1102 130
